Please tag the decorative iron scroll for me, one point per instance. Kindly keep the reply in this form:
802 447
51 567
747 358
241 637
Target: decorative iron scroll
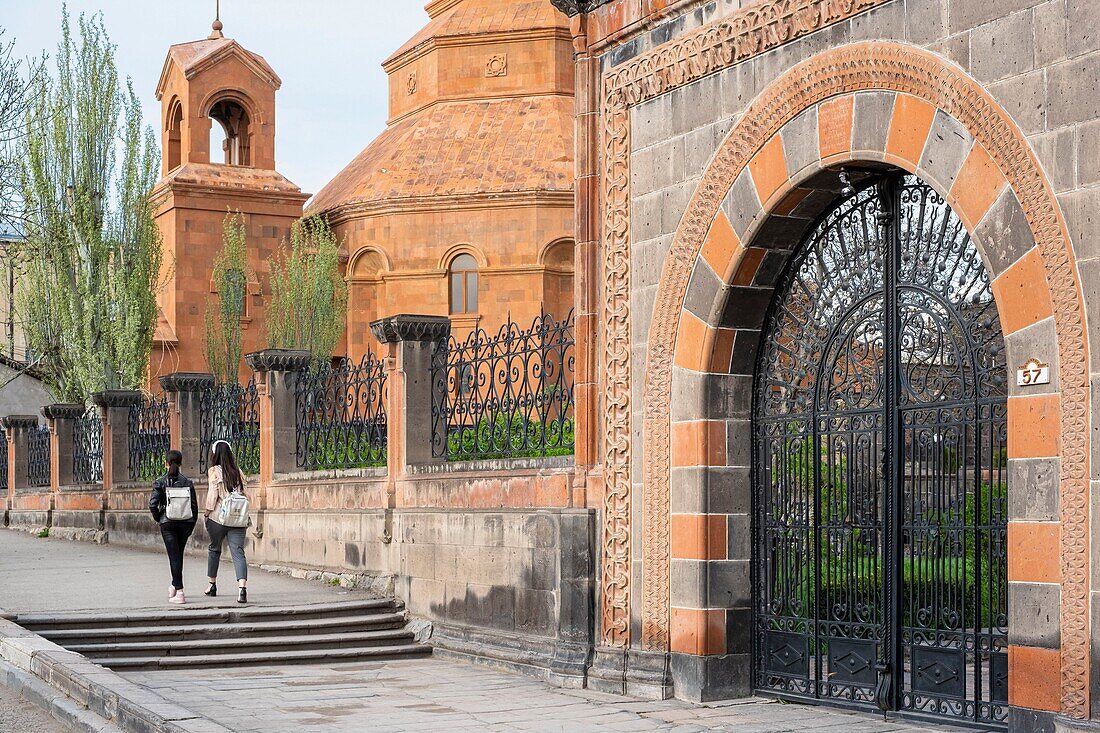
231 413
88 448
3 460
749 32
150 437
38 456
341 415
507 395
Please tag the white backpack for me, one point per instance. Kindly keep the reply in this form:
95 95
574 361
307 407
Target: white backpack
179 507
234 511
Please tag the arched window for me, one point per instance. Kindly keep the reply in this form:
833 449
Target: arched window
234 137
464 284
174 150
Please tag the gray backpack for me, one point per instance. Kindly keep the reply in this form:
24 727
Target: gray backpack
178 508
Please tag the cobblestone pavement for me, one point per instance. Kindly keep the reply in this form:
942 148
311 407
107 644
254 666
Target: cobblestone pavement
438 695
49 574
17 715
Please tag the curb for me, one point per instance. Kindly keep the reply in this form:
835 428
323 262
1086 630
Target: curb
89 689
53 702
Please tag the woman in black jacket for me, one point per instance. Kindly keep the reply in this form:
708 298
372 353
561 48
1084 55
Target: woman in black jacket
176 511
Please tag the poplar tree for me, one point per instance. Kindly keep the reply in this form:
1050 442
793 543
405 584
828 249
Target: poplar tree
309 298
224 313
92 257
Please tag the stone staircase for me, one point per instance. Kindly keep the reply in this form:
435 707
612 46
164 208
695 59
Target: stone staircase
346 631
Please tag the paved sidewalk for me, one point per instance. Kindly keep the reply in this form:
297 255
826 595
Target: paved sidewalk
19 715
445 695
44 574
434 694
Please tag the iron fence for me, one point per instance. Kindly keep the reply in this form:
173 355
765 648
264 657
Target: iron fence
3 459
341 415
150 437
38 456
231 412
88 448
505 396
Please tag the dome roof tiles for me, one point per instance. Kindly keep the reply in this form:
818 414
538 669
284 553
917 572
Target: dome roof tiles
457 148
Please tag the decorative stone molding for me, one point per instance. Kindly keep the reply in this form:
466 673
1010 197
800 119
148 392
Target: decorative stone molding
497 65
577 7
278 360
63 411
749 32
903 69
186 381
407 327
19 421
410 84
117 398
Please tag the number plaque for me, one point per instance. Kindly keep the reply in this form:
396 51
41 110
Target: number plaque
1032 373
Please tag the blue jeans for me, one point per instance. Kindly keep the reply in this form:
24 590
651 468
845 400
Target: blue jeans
219 533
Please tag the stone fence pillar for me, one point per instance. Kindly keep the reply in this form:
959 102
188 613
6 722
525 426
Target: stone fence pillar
276 378
410 341
62 418
114 410
184 392
17 427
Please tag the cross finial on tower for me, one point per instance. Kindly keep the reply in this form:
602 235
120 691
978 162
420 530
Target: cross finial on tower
217 24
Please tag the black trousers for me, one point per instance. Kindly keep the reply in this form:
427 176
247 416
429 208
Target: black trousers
175 535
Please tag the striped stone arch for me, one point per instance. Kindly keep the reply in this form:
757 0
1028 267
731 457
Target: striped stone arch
877 103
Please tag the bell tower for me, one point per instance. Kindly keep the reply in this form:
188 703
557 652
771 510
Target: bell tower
218 133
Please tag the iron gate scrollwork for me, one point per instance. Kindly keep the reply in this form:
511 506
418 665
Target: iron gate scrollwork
880 466
88 447
231 413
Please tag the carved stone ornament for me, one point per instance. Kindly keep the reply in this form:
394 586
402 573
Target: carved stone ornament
576 7
186 381
117 398
278 360
410 84
411 328
741 35
19 421
63 411
497 65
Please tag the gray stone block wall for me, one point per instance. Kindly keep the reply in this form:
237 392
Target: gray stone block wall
1039 59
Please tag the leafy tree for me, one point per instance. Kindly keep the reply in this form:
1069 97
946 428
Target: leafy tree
309 297
16 78
224 314
92 257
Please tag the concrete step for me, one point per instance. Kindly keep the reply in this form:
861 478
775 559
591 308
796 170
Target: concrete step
246 645
263 629
231 612
348 653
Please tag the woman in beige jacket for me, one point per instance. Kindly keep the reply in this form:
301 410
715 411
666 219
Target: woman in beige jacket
223 478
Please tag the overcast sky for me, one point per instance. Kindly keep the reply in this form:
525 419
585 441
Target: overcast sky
327 52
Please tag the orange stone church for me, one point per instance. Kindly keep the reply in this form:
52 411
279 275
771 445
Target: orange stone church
463 206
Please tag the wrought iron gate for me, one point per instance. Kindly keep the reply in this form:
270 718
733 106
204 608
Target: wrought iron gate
880 467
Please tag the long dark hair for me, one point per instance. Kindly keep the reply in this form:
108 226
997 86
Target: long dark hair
222 455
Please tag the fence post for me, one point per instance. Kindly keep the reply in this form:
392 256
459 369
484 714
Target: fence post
17 427
61 419
183 390
276 377
114 410
410 342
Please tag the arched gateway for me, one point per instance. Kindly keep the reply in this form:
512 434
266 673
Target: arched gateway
880 464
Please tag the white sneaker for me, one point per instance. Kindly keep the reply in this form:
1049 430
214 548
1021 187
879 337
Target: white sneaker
172 592
178 598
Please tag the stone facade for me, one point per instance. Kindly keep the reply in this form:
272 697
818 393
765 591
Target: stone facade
711 119
477 160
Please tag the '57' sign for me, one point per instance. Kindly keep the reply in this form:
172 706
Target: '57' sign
1032 373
